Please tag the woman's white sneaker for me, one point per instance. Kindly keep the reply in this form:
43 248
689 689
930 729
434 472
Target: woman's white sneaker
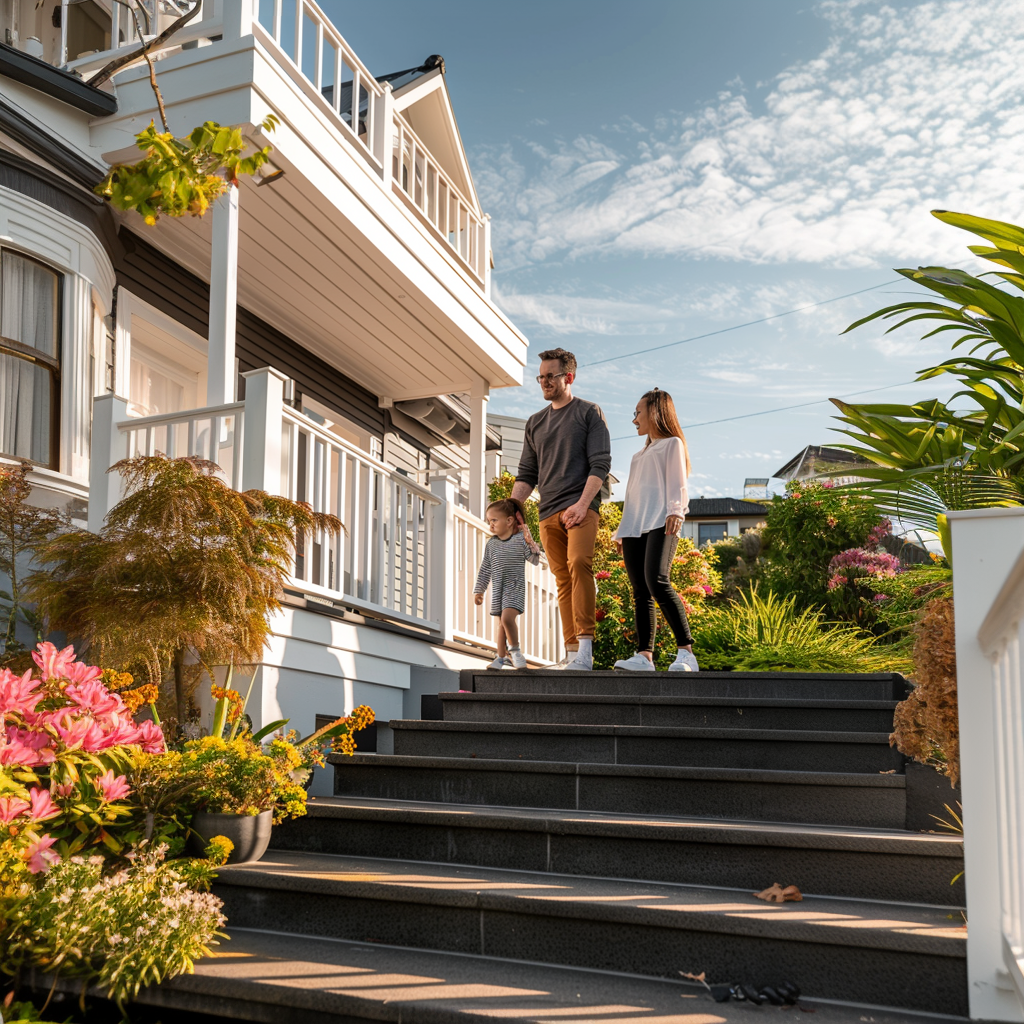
500 663
638 663
685 662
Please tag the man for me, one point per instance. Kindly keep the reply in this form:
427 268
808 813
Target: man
567 454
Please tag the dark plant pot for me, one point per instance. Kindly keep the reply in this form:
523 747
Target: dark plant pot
928 791
249 832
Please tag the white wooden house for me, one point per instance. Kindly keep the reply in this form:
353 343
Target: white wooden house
327 332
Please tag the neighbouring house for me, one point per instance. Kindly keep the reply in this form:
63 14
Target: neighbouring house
325 332
711 519
816 459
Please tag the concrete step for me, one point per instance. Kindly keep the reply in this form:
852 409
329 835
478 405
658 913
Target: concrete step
874 864
745 794
888 686
772 749
669 712
848 950
271 977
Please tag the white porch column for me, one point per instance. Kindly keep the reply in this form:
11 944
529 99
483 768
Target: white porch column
108 447
985 545
477 446
487 255
220 381
261 449
442 569
236 16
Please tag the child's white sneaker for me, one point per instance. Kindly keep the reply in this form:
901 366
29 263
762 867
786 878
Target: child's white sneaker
500 663
685 662
518 658
638 663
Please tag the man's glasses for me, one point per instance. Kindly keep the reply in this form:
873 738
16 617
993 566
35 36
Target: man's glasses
549 378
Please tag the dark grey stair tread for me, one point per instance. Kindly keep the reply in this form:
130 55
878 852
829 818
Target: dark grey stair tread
776 749
651 827
851 779
877 686
846 923
876 864
752 794
270 977
470 696
674 732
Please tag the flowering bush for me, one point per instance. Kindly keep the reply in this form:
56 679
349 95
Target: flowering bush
145 921
804 531
66 744
693 575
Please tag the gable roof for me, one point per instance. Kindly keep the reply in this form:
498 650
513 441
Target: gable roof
702 508
815 458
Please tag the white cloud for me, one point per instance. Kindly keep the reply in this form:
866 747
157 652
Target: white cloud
906 110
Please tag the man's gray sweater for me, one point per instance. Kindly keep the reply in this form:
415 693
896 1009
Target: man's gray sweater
561 449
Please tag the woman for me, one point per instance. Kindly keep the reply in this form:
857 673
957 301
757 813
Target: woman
647 537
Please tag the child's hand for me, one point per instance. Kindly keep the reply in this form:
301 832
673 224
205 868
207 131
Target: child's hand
478 599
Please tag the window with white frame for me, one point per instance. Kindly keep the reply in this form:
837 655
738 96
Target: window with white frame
30 302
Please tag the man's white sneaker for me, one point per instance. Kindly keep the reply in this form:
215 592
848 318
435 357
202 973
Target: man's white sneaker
500 663
638 663
685 662
566 658
518 659
580 663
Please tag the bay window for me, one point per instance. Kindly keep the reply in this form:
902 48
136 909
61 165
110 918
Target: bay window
30 302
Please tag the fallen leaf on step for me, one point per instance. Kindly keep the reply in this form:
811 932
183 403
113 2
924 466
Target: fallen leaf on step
697 977
775 893
891 771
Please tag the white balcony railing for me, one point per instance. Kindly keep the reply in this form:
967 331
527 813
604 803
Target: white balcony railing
406 554
422 180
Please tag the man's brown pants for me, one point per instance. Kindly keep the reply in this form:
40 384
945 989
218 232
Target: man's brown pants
570 554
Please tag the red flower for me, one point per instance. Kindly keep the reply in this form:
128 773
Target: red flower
604 574
599 616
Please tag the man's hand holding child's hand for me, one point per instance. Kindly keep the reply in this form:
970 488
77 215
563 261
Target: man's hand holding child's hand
478 599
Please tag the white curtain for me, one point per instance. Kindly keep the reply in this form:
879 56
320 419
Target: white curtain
29 310
28 314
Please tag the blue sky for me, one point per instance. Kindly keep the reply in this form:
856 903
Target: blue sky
667 168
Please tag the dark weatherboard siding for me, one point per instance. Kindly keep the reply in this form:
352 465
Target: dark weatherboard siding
148 273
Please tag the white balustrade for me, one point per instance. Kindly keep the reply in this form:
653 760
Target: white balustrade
379 560
406 552
300 31
426 185
539 626
989 625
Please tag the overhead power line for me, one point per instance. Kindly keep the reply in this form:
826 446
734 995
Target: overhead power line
781 408
736 327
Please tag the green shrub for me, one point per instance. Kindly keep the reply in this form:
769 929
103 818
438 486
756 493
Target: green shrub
804 531
756 633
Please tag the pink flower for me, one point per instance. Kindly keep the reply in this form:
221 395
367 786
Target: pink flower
82 733
42 806
151 736
12 807
18 693
53 664
62 790
26 748
708 590
39 855
111 788
604 574
122 734
93 696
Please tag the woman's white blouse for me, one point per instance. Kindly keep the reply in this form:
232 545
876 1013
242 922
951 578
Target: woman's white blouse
656 488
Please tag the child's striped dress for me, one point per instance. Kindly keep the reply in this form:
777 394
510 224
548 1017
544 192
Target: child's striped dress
504 567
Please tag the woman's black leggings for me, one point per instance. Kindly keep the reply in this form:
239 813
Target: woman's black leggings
648 561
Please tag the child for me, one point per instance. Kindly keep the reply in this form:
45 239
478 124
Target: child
504 567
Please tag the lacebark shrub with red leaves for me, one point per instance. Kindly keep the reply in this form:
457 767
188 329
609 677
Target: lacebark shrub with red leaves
926 724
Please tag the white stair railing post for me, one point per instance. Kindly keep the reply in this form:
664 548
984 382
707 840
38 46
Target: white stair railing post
382 143
108 446
236 16
985 545
262 427
441 569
